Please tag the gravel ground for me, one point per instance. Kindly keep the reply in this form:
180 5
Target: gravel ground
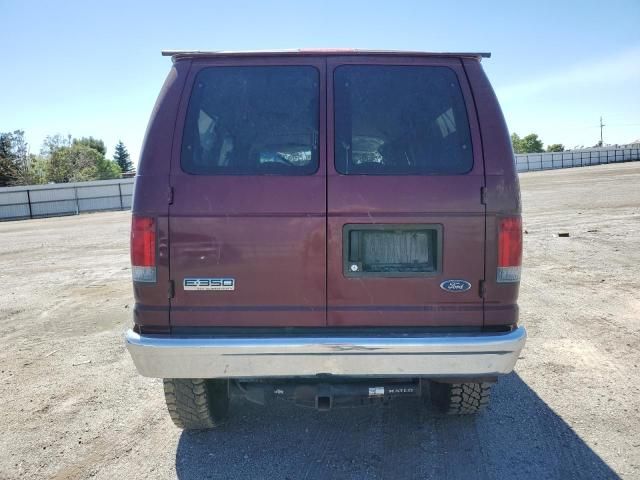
73 406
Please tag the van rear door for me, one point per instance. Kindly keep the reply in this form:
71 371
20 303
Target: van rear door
406 225
248 216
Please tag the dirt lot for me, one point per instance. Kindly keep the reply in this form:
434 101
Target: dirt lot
72 405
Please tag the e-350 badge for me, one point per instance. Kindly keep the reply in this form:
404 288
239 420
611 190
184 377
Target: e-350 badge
208 284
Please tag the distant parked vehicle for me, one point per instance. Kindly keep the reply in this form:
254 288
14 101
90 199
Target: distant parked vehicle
329 227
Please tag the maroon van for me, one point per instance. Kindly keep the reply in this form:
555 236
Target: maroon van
328 227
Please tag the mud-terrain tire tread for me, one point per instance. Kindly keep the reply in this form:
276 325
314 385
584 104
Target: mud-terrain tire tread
195 403
460 398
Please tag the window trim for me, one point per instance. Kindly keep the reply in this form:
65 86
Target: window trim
334 68
189 97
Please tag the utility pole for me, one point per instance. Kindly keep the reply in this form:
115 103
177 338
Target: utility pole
601 125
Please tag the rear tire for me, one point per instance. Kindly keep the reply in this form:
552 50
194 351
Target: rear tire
460 398
195 403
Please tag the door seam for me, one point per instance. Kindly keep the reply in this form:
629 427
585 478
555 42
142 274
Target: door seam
326 191
484 186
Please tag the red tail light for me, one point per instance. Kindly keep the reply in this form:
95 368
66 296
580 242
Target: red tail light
509 249
143 249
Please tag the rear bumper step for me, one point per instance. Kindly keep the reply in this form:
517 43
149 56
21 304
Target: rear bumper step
438 355
324 395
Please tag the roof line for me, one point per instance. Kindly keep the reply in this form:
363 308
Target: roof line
201 53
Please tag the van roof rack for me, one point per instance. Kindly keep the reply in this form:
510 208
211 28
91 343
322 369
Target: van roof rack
175 54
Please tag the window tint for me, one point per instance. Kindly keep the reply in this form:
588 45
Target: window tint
252 121
400 120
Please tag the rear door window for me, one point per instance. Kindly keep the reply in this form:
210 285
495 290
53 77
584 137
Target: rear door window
400 120
252 121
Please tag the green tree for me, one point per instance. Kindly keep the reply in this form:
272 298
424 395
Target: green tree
7 160
20 148
528 144
54 142
13 157
36 171
8 172
79 163
516 143
91 142
106 169
122 158
555 147
532 144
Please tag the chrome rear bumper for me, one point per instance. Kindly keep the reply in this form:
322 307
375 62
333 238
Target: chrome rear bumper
452 355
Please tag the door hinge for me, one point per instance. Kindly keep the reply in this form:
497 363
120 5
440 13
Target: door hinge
482 288
483 195
172 289
170 195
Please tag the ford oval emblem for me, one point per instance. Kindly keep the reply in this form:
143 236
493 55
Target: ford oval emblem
455 285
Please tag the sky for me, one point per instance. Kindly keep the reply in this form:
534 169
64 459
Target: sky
89 68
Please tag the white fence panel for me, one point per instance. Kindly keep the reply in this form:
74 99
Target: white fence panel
64 199
73 198
531 162
14 205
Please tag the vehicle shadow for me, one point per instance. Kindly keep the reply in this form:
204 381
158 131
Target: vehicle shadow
518 437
